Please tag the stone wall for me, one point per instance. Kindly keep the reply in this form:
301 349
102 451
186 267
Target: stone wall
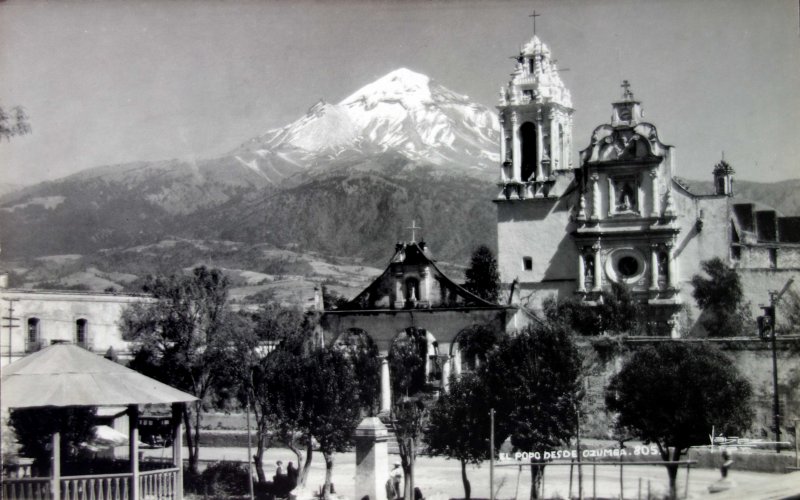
751 356
539 229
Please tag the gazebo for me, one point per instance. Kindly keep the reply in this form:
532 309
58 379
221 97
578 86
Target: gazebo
67 375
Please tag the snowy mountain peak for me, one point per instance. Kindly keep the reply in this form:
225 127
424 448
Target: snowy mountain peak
401 84
403 112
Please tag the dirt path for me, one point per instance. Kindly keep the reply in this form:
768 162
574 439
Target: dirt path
440 478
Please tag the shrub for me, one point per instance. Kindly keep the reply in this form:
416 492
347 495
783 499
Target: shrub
225 479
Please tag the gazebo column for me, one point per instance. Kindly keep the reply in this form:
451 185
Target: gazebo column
386 387
177 447
133 449
55 466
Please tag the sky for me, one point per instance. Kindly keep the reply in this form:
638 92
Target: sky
108 82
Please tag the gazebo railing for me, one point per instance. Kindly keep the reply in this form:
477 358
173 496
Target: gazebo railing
157 484
96 487
33 488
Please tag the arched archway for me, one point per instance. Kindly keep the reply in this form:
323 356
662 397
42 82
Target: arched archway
362 352
471 346
414 362
528 143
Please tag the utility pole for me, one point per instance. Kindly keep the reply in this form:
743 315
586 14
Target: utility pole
491 454
10 324
768 323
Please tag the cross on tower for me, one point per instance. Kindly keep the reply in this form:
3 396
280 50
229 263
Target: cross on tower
413 227
627 94
534 16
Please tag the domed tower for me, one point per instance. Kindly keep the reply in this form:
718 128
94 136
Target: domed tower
535 112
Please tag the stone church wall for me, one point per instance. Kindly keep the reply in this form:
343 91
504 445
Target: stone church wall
539 230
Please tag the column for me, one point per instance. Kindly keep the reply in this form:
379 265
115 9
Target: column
446 360
653 192
457 360
372 458
501 119
539 149
581 272
597 272
55 465
133 449
425 286
654 266
516 151
399 296
177 448
671 266
555 141
386 387
595 197
612 197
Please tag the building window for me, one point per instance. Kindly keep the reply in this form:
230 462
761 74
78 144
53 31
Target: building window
412 289
32 339
527 263
773 257
625 266
736 253
82 332
527 135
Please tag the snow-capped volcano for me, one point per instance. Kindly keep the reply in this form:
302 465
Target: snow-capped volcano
403 112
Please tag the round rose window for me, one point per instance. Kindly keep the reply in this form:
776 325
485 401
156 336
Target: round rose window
628 266
625 265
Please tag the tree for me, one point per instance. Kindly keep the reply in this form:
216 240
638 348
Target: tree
535 379
182 338
19 125
263 374
482 277
616 313
34 427
459 423
332 406
409 410
673 392
721 298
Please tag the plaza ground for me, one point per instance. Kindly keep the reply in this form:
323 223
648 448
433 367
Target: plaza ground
440 478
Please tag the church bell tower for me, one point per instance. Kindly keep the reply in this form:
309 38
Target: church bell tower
535 113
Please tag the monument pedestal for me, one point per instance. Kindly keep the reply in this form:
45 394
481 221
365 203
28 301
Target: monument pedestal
372 459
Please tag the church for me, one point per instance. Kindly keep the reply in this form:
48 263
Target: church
619 215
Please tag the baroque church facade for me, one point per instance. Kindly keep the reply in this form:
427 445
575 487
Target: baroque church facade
620 215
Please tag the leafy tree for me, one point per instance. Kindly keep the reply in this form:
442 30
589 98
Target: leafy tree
672 393
409 407
331 299
34 428
535 379
616 313
482 277
331 405
13 122
182 338
459 424
260 370
362 353
721 298
475 342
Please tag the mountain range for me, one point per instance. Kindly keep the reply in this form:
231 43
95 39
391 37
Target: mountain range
343 181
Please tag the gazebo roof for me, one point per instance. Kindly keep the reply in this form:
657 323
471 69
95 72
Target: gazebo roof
68 375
